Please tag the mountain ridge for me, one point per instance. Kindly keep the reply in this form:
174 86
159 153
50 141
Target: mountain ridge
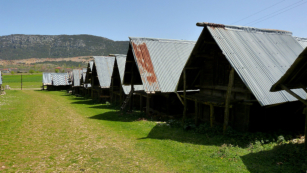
22 46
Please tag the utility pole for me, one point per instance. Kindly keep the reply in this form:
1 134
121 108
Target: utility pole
21 82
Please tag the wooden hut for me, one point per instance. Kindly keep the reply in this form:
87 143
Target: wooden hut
88 77
156 64
76 85
234 68
294 80
101 77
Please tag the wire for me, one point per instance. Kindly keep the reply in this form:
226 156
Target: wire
258 12
274 14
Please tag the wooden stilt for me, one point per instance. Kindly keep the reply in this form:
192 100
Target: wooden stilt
211 115
141 103
184 95
228 95
147 105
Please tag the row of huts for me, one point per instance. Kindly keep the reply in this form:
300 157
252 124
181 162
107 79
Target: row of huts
224 77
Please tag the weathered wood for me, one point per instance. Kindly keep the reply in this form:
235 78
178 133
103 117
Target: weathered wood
228 95
184 96
196 78
179 98
147 105
224 88
121 95
196 112
303 87
211 115
141 103
112 89
293 94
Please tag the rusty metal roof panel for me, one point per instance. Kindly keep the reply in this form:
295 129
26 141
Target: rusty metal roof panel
59 79
302 41
160 61
121 62
76 77
47 80
104 67
260 57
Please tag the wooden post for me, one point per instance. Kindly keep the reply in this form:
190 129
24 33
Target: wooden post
21 82
184 95
196 112
147 105
228 95
112 89
211 115
121 94
141 103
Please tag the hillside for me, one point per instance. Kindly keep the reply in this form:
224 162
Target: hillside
18 46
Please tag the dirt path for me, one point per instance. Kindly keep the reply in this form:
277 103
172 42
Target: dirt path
54 137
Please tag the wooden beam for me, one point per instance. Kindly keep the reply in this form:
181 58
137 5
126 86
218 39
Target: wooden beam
228 95
211 115
191 68
196 78
179 98
293 94
224 88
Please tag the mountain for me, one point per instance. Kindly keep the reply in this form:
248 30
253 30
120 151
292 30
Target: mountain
19 46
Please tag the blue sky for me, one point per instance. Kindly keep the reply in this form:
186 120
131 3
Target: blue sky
172 19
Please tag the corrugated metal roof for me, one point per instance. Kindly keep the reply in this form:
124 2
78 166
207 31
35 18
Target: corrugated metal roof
77 76
47 78
104 67
0 78
59 79
121 62
296 75
259 56
302 41
160 61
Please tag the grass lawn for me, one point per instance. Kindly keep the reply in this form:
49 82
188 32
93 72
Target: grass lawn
43 131
28 80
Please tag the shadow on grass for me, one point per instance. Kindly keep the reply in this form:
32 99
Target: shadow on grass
282 158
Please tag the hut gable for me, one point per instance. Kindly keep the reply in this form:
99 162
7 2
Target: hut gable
259 57
0 78
104 68
157 62
47 78
76 77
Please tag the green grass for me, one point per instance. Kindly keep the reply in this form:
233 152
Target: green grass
28 80
45 131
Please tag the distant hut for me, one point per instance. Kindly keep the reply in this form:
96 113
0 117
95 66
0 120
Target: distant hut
118 90
84 89
302 41
88 77
47 80
157 64
101 77
76 85
60 81
293 81
234 68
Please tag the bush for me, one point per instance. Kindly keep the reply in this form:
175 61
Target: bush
31 71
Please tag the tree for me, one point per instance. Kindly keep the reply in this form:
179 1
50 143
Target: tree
31 71
57 70
12 72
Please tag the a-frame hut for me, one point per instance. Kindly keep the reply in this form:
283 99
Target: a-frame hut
76 85
293 80
234 68
101 76
157 64
88 77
